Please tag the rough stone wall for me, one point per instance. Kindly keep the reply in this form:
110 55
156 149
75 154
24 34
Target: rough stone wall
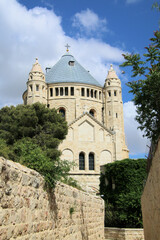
28 212
124 234
150 200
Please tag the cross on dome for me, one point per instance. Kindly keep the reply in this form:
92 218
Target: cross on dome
67 46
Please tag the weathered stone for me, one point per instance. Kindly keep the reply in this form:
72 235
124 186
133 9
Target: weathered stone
28 212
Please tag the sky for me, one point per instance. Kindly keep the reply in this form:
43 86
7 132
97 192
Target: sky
99 32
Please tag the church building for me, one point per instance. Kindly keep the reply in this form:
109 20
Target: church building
94 114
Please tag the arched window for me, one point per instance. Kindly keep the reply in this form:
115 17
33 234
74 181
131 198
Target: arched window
81 161
91 161
92 112
62 111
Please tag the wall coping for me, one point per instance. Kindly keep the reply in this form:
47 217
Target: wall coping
124 229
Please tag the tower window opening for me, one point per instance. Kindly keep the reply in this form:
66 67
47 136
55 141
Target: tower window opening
71 63
109 83
62 111
66 91
37 87
91 161
81 161
51 92
72 91
87 92
109 113
100 95
109 93
95 94
31 88
61 91
82 92
92 112
116 115
57 91
31 77
91 93
115 93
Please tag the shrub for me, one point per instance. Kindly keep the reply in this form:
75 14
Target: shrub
122 185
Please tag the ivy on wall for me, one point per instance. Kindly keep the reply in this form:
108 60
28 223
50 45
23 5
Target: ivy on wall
122 184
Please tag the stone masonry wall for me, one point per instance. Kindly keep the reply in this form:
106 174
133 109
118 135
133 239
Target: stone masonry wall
151 200
27 212
124 233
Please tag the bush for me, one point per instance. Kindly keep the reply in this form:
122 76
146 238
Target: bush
122 186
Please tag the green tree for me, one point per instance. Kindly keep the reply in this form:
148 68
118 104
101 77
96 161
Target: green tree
31 135
146 86
122 185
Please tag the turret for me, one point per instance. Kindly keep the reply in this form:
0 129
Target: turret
36 85
114 112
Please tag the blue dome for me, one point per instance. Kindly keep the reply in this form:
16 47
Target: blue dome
68 70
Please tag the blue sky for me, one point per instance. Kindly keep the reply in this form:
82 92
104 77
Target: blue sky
97 31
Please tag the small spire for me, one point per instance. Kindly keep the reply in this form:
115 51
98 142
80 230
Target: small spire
111 67
67 46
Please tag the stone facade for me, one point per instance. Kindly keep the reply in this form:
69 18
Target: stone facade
94 114
27 212
124 233
150 199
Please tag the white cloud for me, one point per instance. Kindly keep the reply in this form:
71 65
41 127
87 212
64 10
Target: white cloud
136 143
89 22
38 33
28 34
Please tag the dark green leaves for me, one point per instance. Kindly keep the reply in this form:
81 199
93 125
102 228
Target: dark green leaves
31 135
146 90
122 185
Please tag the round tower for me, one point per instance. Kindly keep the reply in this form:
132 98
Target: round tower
36 85
114 112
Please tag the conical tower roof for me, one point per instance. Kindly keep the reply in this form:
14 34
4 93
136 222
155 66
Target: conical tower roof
36 67
68 70
112 73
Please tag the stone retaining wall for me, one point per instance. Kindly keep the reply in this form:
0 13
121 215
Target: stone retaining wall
151 199
27 212
123 234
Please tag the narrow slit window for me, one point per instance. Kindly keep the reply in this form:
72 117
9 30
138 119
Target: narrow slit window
91 93
115 93
51 92
100 95
87 92
57 91
37 87
61 91
81 161
91 161
82 92
66 91
109 93
95 94
116 115
72 91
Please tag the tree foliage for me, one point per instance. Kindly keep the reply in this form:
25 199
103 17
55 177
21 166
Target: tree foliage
146 86
122 185
31 135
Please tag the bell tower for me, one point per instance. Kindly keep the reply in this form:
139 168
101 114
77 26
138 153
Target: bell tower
114 113
36 85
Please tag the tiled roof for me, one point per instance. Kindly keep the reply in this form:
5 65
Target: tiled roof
63 72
